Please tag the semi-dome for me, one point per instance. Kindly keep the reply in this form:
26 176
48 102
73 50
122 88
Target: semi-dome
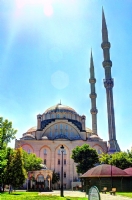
32 129
95 137
59 108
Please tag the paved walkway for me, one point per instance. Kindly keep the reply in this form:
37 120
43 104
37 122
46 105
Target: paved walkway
82 194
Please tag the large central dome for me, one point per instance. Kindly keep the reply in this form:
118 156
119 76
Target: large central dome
59 107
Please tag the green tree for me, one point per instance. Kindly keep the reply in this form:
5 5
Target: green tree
31 161
3 164
122 160
105 158
85 157
15 173
6 132
55 177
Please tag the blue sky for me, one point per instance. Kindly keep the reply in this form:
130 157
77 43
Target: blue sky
45 56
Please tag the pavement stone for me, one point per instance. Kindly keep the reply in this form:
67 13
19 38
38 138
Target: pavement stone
83 194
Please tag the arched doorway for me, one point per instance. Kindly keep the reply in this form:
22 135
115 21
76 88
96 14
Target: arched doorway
40 182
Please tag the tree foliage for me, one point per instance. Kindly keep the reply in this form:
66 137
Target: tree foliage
3 163
31 161
6 132
122 160
85 157
15 173
55 177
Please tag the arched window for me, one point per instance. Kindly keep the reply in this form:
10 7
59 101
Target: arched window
40 178
66 127
99 151
45 151
59 152
29 151
64 152
56 127
61 126
58 116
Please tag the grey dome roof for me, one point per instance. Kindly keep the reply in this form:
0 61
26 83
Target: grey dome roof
59 108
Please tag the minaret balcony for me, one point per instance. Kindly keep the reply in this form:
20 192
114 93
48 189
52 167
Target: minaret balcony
105 45
93 95
107 63
92 80
108 83
94 111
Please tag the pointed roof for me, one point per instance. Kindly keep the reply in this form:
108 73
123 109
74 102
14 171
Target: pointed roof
91 66
104 28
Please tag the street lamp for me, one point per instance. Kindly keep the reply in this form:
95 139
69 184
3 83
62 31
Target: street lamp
111 172
111 178
61 189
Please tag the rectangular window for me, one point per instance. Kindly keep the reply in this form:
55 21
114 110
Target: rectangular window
59 152
64 174
59 174
64 161
44 161
58 161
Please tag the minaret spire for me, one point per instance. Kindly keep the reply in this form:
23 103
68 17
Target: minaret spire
108 84
104 28
93 96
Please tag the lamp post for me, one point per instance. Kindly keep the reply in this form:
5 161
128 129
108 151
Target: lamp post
111 171
61 189
111 178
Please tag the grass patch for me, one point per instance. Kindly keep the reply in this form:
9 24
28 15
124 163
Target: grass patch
34 196
125 194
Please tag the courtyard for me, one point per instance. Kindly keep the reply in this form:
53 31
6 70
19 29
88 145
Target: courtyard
55 195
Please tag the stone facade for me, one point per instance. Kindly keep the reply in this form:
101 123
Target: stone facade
57 126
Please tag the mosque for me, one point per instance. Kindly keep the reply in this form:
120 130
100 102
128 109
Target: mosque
62 125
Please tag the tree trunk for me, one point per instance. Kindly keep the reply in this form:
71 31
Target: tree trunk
3 187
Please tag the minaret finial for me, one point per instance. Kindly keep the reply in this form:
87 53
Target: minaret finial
60 101
104 28
91 66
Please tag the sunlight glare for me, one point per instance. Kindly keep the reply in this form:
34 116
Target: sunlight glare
46 4
48 10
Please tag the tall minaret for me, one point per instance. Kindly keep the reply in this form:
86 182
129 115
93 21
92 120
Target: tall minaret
108 84
93 96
